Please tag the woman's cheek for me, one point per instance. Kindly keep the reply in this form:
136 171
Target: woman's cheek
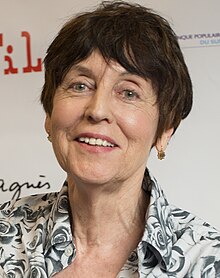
138 123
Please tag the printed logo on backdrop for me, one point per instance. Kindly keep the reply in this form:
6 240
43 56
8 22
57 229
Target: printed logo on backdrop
211 39
9 66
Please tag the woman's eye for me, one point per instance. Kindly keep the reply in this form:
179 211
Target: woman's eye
130 95
79 87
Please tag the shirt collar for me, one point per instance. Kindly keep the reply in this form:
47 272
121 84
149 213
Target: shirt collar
59 227
158 235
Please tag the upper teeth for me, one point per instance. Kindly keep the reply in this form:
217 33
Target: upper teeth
94 141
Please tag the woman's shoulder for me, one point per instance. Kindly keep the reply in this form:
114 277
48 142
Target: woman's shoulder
25 224
194 231
188 220
195 246
27 207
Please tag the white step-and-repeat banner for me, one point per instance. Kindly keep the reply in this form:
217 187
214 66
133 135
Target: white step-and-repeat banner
190 172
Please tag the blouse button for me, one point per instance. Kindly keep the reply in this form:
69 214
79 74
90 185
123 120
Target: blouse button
68 251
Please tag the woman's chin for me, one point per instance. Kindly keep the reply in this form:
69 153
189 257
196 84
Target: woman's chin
93 177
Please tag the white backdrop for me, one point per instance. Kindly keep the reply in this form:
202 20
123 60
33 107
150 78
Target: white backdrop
190 173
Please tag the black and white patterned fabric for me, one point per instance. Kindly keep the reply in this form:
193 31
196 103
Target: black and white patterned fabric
36 239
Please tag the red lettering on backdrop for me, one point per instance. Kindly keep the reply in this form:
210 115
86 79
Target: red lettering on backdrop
8 59
9 50
1 39
29 67
11 69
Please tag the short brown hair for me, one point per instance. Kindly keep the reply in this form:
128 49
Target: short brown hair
138 39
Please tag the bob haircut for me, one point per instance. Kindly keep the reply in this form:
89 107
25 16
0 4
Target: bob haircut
137 38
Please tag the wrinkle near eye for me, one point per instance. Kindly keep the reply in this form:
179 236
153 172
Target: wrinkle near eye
63 86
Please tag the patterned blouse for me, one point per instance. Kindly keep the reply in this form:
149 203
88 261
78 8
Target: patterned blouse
36 239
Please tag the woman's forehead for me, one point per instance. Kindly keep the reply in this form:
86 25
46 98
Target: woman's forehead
95 63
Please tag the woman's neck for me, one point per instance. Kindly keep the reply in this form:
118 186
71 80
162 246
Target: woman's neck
107 219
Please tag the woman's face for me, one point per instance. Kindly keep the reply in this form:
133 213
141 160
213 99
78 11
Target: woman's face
103 122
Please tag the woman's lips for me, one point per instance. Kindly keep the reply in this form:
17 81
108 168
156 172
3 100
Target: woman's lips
97 140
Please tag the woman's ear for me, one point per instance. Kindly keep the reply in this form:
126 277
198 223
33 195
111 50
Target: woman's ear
163 141
47 124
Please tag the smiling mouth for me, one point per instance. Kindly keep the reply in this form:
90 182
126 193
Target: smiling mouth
95 142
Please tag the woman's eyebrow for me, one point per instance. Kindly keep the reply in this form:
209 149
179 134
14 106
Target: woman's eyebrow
83 70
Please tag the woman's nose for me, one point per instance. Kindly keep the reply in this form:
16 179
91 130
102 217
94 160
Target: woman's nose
99 107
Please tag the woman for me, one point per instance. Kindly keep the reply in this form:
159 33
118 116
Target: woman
116 85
